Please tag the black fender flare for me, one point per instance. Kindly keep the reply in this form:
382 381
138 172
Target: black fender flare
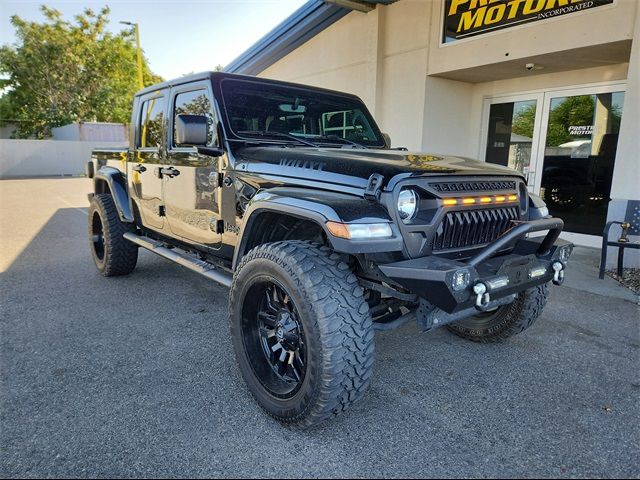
114 179
304 204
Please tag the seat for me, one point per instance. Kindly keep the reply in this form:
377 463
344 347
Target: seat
630 226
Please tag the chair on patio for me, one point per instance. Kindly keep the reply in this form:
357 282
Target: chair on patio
630 226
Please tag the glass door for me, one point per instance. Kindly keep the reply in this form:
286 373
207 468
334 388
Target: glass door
512 131
575 167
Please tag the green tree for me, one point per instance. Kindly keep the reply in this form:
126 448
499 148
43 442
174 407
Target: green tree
61 71
524 120
571 111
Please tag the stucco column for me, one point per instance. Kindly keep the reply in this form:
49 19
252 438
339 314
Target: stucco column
626 174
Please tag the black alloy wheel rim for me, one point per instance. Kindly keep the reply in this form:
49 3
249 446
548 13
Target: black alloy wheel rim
97 236
274 339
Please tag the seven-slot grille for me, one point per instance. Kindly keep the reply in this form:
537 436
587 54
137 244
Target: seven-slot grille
476 186
473 227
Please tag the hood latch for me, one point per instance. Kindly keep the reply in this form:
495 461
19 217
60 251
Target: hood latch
374 187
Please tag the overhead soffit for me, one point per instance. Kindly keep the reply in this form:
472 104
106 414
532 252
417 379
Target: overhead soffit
574 59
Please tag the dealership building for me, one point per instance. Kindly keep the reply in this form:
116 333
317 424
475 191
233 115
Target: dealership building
549 87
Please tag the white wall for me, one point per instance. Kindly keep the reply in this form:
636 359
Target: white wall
626 176
448 114
34 158
337 58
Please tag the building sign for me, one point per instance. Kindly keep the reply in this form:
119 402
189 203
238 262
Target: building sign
466 18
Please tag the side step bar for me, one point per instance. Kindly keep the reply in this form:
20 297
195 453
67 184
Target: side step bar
195 264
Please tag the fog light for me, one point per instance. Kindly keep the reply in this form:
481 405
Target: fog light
460 280
537 272
499 282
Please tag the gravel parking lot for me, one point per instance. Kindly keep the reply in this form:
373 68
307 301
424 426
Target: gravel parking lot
135 376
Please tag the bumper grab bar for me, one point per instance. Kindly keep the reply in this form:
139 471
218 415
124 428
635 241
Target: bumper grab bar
520 229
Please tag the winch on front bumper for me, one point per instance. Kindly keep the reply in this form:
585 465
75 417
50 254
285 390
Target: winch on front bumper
450 289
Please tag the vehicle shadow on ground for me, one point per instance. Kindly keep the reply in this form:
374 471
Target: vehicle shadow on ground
136 376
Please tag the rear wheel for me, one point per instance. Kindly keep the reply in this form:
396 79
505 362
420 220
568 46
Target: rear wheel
301 331
506 321
112 254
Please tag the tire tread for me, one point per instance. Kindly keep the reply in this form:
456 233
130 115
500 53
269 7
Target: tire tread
519 316
120 255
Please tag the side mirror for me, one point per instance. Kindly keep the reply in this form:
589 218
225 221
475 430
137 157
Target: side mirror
191 130
387 139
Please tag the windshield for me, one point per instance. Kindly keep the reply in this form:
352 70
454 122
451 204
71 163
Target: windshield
277 112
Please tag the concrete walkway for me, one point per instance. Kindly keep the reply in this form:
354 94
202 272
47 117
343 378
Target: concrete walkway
582 274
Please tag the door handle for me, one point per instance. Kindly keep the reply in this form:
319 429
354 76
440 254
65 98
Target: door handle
139 168
167 172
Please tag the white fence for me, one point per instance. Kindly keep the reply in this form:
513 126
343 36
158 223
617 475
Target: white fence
91 132
36 158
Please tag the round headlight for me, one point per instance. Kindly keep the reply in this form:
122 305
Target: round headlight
407 204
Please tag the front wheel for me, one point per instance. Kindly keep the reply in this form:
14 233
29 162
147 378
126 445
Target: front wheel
506 321
301 330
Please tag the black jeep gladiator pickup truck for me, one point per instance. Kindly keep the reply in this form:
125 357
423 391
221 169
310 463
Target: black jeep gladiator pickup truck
292 197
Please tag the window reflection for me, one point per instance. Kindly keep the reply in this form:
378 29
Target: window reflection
313 115
151 123
510 134
579 156
195 103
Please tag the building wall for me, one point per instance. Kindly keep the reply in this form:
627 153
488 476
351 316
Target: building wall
337 58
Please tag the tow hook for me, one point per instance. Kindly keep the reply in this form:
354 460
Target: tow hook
558 273
482 296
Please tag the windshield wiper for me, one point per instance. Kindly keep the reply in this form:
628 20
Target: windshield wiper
261 133
349 142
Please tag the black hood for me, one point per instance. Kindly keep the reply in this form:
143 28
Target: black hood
353 167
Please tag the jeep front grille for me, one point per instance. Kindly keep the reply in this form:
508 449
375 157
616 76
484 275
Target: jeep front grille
476 186
473 227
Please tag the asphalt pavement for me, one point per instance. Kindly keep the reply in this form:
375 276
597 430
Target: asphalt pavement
135 376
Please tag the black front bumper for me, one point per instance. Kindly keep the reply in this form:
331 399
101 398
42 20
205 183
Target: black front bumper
431 278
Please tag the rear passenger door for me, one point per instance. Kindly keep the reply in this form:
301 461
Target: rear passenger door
192 197
149 155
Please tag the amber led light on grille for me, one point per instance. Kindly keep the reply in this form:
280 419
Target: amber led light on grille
448 202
